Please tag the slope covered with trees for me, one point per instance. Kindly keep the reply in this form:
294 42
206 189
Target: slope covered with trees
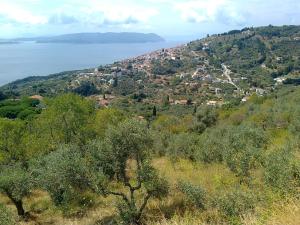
213 166
160 153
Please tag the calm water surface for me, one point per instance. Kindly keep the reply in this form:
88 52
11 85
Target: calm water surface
30 59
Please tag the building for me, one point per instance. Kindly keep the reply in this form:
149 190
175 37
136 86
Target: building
37 97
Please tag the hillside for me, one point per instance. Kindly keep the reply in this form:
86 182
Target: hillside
216 166
215 69
204 133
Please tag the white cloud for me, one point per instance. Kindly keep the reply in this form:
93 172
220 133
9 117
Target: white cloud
117 13
198 11
16 14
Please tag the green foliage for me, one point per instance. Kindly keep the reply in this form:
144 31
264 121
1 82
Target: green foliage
64 174
206 117
86 89
244 149
66 119
15 179
11 140
166 100
166 67
235 203
195 194
72 150
23 109
6 217
210 146
2 96
16 183
171 124
183 145
127 148
105 118
282 170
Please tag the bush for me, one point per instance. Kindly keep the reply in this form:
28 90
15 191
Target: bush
12 108
63 174
211 145
194 194
243 149
282 170
86 89
235 203
26 114
183 146
206 117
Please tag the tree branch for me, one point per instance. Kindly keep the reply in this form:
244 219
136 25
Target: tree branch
149 194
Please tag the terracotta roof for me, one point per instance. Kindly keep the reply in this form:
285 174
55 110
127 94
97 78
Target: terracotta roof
38 97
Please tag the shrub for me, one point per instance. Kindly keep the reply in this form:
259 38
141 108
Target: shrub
211 145
243 149
235 202
183 146
86 89
282 170
206 117
63 174
194 194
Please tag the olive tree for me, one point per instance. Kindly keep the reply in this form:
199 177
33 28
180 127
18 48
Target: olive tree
282 170
106 117
126 159
15 183
15 177
183 145
66 120
63 174
243 149
210 147
205 117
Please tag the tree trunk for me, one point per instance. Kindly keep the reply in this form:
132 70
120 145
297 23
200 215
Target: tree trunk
17 203
19 206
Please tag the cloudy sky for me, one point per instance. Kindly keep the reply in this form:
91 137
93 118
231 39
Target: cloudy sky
169 18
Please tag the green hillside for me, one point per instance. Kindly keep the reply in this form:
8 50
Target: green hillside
218 68
199 134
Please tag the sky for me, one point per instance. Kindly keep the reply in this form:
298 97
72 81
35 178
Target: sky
169 18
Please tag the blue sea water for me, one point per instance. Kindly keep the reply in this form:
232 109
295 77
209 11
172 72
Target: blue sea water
31 59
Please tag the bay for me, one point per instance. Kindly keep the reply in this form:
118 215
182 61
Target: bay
25 59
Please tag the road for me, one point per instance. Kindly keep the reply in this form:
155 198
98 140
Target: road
226 73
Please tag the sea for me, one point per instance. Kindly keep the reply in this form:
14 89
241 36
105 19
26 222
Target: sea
25 59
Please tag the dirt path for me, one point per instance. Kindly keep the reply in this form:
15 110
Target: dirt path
226 73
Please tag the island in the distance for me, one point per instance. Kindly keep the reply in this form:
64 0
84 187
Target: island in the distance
97 38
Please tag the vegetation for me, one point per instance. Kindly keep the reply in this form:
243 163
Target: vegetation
6 216
157 162
83 157
25 108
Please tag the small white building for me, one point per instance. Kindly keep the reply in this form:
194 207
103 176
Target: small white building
111 81
212 103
